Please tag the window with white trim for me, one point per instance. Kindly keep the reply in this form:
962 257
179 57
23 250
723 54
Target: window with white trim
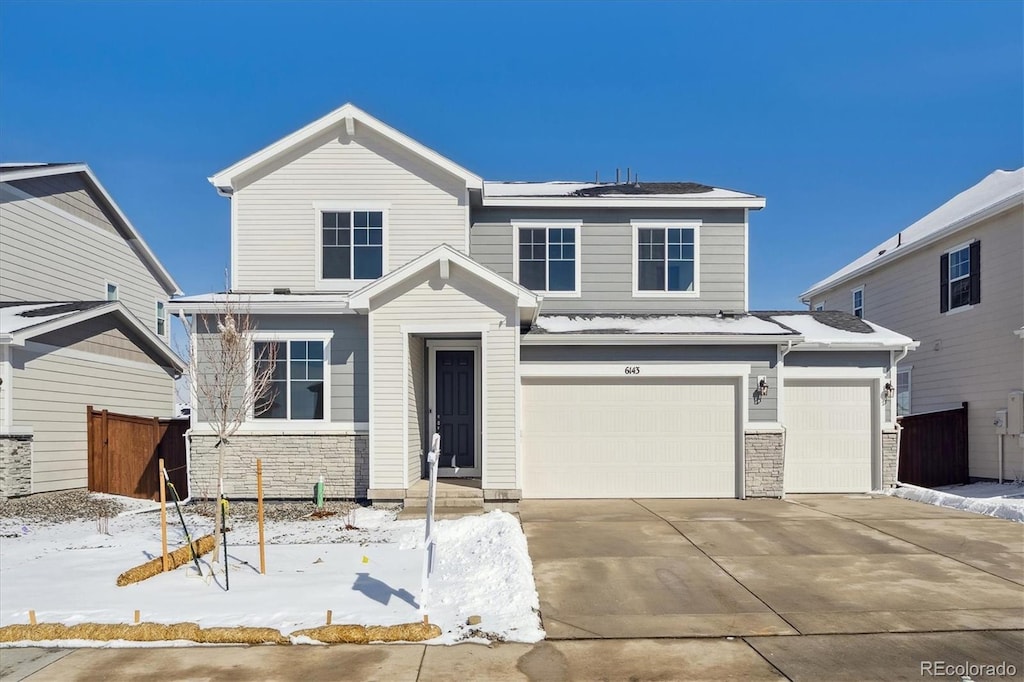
858 302
352 244
113 291
161 318
666 259
548 258
299 380
960 277
819 307
903 384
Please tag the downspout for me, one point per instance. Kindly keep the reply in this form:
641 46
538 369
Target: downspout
782 384
899 428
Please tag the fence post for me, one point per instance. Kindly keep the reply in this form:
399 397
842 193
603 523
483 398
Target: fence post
90 449
105 432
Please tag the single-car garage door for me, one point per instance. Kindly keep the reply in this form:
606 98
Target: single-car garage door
607 437
828 437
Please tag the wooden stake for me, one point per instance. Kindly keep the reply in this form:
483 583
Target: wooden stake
31 617
259 516
426 620
138 617
163 517
330 616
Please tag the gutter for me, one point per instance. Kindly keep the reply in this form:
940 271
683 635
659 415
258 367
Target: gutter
899 427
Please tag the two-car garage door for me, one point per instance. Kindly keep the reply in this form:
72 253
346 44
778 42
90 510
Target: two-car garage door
629 437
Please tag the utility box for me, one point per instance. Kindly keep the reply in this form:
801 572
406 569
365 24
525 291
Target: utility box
1015 413
1000 422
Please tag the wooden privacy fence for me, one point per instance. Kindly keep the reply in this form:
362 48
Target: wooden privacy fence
124 451
933 448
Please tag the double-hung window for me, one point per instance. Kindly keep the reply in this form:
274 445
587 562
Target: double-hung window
352 245
161 318
960 277
548 258
903 391
298 385
666 260
858 302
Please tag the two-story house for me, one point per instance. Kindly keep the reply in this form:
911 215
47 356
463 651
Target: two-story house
954 280
566 340
83 321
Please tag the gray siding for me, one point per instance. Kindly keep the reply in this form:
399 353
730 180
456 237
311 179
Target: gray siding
277 216
103 335
48 256
53 386
349 360
68 193
970 355
607 257
762 360
833 358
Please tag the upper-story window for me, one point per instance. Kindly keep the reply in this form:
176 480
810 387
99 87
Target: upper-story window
547 257
352 244
960 277
161 318
113 291
666 259
299 383
858 302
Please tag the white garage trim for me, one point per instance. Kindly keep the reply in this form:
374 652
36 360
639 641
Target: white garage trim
618 369
871 385
591 436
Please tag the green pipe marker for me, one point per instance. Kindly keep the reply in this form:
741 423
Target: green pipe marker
320 493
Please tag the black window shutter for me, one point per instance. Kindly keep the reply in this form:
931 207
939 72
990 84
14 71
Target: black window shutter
975 273
944 283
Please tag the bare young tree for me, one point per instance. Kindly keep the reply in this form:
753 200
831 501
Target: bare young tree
232 376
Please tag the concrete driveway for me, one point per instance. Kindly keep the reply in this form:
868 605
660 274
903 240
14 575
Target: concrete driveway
809 565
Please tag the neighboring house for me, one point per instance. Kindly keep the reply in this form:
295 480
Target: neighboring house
565 339
83 321
954 280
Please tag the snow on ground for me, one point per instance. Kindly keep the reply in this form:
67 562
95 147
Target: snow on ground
1002 500
370 575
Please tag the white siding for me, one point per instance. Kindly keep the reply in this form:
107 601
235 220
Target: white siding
970 355
46 255
51 391
417 402
425 299
277 222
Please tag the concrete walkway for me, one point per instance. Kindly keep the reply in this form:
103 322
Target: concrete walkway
812 588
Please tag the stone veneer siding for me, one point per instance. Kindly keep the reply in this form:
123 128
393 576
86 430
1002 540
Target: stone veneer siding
292 465
890 459
15 465
764 462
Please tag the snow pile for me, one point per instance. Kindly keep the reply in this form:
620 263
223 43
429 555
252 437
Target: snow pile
665 324
815 332
368 575
1001 500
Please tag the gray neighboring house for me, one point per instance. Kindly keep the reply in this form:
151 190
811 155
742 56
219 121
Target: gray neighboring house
83 321
954 280
567 340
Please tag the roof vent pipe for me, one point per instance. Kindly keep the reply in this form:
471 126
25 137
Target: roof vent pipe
616 176
899 238
627 174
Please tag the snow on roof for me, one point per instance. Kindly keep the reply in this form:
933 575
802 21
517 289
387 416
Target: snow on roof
14 318
998 188
657 324
560 188
818 333
241 297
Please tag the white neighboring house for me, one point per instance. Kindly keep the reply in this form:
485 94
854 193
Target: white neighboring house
83 321
565 339
953 280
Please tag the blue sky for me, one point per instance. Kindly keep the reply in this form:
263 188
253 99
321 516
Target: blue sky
854 119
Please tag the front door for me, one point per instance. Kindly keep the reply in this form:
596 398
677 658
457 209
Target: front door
455 411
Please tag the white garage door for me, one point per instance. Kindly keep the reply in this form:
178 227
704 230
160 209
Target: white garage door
828 437
628 438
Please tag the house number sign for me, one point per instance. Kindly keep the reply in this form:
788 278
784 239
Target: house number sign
632 369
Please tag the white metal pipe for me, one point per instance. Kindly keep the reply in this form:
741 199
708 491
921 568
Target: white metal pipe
999 437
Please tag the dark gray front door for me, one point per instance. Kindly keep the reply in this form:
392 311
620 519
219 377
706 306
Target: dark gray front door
455 404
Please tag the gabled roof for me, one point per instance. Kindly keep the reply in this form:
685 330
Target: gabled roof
996 193
22 321
24 171
593 194
835 330
348 116
360 300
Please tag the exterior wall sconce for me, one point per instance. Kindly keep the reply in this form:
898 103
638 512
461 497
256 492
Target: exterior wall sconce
762 386
888 392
